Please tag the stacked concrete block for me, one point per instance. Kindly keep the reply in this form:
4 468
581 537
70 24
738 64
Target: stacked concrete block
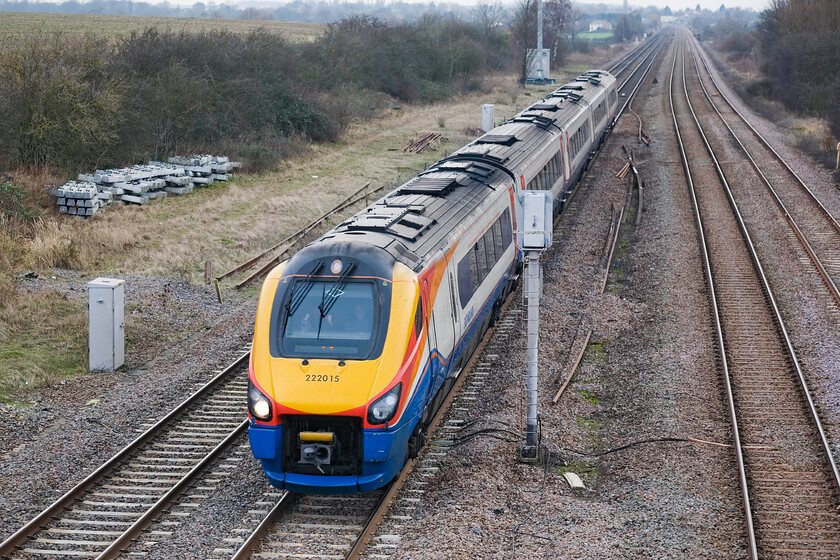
140 183
78 199
204 169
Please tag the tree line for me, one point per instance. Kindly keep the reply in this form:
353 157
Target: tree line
80 102
77 102
796 44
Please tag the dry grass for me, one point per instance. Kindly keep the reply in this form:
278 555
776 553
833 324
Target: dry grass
226 224
15 23
40 339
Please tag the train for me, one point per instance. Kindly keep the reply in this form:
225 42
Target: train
359 335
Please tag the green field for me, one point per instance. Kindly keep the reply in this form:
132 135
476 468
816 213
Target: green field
13 23
595 35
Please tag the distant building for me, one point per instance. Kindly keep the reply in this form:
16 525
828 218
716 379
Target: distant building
600 24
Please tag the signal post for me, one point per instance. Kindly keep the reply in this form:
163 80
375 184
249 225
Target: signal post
534 238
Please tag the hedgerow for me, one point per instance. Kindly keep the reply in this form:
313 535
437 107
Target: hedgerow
81 102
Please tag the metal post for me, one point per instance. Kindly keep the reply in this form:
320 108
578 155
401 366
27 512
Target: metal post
535 237
540 73
530 451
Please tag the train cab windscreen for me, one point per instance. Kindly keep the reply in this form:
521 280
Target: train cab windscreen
330 320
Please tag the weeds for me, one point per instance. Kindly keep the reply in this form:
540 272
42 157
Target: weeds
589 396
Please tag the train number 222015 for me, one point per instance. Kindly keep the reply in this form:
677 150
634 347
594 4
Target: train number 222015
321 377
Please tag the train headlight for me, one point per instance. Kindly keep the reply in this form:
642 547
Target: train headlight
258 404
385 407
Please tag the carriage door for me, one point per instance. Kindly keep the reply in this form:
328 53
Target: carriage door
443 317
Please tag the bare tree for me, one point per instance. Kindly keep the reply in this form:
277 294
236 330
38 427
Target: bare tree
489 14
524 31
558 20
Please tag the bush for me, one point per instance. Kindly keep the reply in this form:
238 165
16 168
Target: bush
800 50
739 42
80 103
13 203
61 107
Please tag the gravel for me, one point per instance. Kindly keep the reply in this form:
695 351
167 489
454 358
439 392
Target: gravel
649 373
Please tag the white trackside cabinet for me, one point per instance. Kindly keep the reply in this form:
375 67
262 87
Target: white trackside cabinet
488 118
106 322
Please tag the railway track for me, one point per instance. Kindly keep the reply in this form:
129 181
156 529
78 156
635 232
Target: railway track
110 508
788 478
814 226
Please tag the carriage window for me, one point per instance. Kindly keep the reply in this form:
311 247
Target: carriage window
507 232
549 174
481 255
497 238
475 275
490 247
465 285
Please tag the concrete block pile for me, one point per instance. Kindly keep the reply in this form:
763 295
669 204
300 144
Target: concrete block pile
206 168
81 199
140 183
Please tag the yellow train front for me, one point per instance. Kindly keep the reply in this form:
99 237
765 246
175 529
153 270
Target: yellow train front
336 357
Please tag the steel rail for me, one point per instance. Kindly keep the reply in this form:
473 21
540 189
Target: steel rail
625 61
251 543
121 542
632 93
296 237
815 260
33 526
809 250
761 138
730 399
355 197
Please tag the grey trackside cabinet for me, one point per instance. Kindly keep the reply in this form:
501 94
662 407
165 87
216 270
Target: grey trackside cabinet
106 321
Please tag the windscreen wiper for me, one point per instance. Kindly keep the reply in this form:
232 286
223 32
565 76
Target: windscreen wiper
298 295
332 295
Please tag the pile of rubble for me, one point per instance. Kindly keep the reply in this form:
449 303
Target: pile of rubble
140 183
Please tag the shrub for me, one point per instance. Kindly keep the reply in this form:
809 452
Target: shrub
61 107
739 42
13 203
83 102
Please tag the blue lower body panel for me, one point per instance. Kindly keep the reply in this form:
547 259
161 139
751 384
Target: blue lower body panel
383 455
